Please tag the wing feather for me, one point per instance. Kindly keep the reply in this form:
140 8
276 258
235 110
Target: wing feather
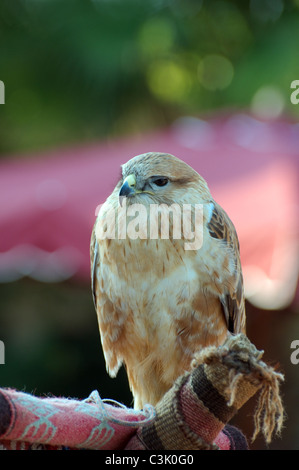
221 227
94 254
107 315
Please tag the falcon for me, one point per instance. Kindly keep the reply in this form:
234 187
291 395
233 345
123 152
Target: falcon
157 302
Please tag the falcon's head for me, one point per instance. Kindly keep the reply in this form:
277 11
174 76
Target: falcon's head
162 178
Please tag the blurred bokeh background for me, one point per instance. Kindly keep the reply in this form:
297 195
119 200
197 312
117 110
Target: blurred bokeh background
91 83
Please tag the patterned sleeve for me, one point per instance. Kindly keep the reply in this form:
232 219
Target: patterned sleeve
193 415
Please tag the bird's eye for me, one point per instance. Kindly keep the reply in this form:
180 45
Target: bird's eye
160 181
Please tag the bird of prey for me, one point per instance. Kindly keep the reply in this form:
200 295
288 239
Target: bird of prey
158 303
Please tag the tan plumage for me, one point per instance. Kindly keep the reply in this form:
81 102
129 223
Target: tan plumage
158 303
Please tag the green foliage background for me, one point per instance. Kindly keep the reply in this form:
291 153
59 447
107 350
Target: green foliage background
77 70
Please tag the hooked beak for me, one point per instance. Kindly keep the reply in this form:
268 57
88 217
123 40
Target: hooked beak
128 188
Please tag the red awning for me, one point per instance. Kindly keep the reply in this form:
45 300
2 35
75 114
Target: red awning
48 201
